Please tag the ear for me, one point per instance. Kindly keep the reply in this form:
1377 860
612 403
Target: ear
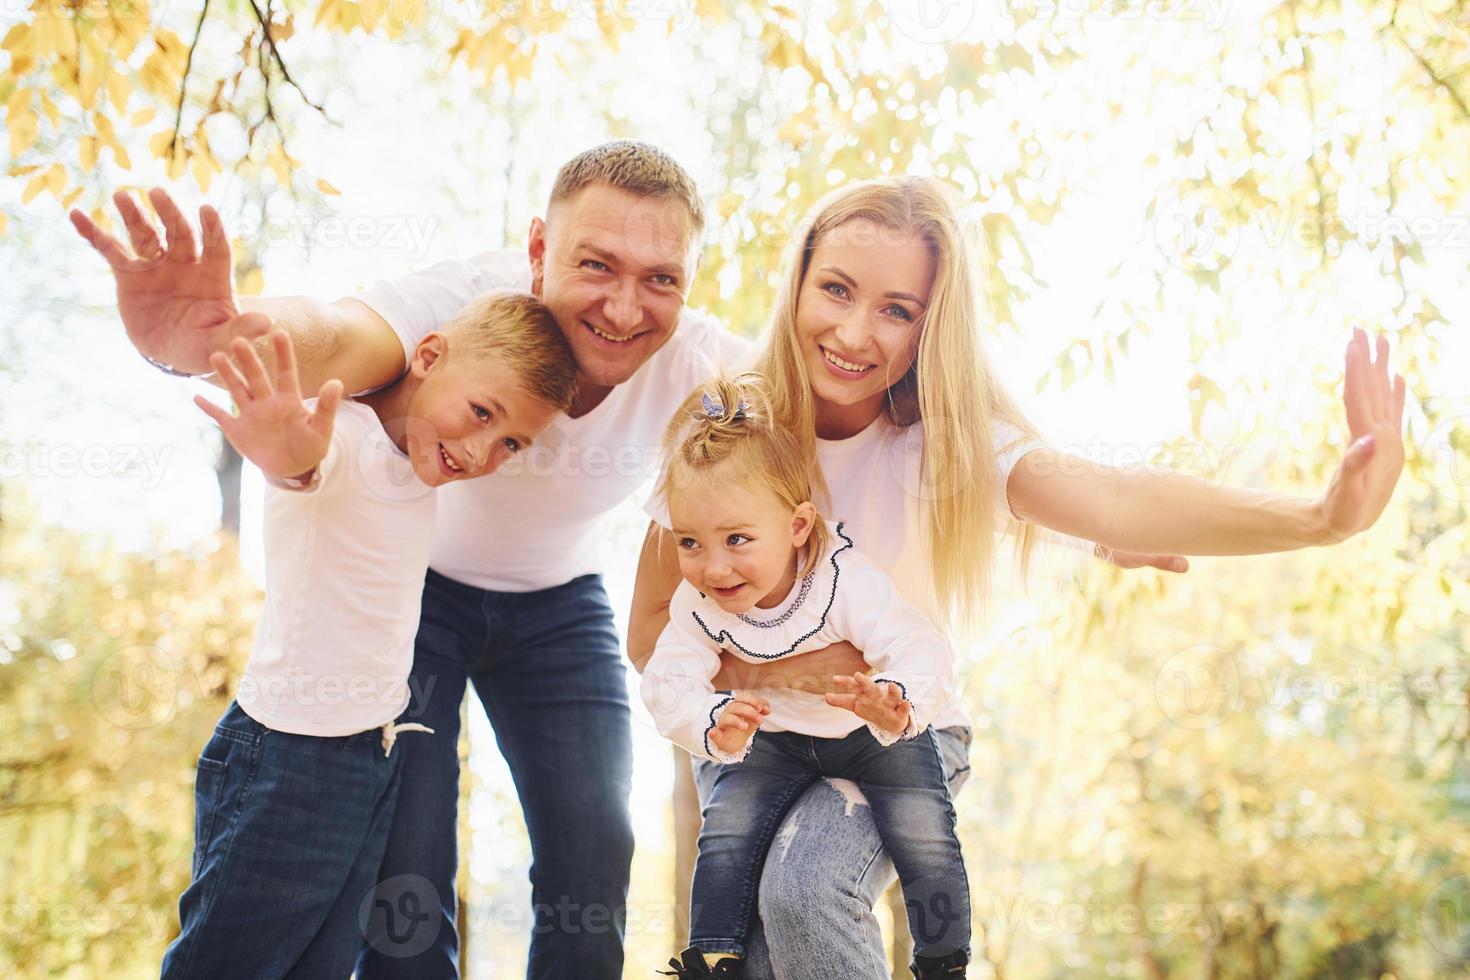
432 347
803 519
536 250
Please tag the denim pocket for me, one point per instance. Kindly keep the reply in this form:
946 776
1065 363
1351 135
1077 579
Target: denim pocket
209 781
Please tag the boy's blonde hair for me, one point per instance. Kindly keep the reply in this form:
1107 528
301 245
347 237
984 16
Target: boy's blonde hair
951 388
516 329
639 168
730 420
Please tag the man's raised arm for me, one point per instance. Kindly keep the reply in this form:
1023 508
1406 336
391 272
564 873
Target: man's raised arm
178 303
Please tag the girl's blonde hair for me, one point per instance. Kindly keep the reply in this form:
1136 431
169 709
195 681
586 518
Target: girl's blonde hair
951 386
730 420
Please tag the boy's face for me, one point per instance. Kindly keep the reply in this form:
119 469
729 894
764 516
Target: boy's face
737 541
614 269
468 415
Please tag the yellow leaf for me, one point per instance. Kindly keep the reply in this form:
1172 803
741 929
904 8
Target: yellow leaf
87 151
17 39
371 11
71 197
252 282
277 160
203 168
24 128
34 187
22 171
729 204
142 116
4 223
117 89
326 188
55 178
123 160
715 10
49 107
177 164
158 143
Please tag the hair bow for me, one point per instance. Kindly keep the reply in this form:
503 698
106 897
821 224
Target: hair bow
714 411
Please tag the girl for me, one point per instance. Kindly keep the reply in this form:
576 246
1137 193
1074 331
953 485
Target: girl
875 358
764 575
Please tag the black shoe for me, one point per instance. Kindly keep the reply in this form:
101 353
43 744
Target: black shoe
691 966
948 967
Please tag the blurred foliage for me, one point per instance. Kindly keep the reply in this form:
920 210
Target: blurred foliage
113 670
1257 770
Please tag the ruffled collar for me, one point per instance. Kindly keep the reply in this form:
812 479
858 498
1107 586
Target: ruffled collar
774 633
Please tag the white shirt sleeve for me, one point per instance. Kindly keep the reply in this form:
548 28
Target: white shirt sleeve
416 304
897 640
1010 445
677 687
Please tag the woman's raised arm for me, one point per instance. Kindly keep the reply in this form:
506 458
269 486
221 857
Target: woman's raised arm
1155 510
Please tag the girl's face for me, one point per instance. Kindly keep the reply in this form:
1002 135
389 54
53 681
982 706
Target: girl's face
737 541
858 318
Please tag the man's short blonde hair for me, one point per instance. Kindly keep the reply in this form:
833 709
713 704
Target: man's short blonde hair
514 328
639 168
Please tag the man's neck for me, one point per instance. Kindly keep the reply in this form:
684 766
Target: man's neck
589 396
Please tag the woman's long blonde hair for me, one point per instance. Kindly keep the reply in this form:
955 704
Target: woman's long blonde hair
950 387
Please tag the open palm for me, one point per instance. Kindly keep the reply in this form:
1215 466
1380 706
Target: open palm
275 429
1364 480
177 304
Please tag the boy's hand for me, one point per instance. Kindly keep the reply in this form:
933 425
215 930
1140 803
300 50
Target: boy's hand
879 704
738 721
274 430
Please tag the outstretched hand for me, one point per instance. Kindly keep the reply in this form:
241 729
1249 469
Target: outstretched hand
275 429
177 304
1364 480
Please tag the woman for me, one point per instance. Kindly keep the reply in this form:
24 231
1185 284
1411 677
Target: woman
876 364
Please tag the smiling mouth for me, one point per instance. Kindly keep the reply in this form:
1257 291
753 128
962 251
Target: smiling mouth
852 367
449 462
610 337
727 592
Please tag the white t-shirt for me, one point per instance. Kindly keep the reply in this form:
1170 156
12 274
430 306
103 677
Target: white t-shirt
846 597
344 572
877 493
530 525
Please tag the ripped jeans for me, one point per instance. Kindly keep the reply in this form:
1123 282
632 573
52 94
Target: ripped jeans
815 887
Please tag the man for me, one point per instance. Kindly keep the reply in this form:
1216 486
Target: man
513 602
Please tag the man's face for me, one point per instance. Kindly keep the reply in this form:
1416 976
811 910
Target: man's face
614 269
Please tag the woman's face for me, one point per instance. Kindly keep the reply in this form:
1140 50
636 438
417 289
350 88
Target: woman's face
858 317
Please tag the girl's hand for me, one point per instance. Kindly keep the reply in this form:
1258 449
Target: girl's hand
1365 479
738 721
881 704
274 430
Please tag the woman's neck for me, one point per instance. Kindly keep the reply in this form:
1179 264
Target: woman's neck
845 421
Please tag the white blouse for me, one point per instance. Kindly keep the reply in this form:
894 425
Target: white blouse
846 597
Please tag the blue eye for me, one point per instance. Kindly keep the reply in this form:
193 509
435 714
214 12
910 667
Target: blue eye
899 311
665 280
597 266
688 544
734 540
482 413
513 446
836 286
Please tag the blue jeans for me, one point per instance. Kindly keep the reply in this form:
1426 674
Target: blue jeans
289 831
904 785
824 875
548 668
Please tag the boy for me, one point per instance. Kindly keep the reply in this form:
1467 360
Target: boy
295 792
